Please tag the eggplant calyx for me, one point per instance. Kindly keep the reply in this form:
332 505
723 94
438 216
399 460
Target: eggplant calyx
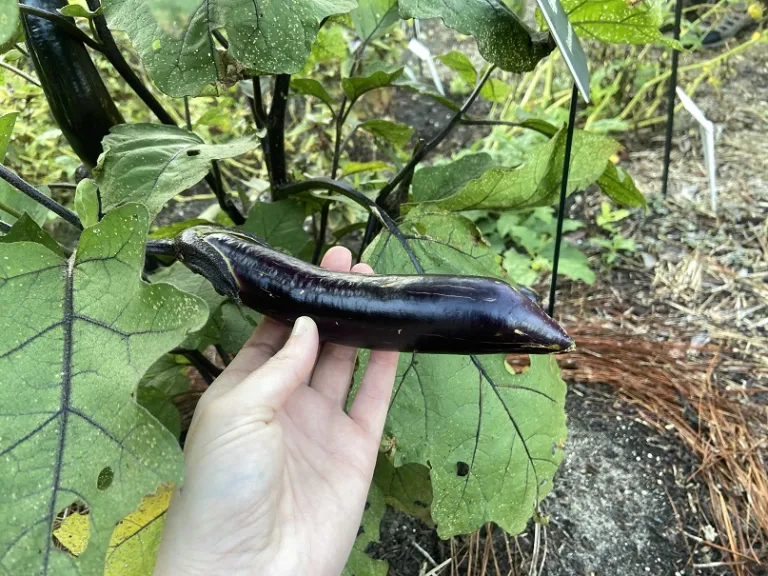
201 257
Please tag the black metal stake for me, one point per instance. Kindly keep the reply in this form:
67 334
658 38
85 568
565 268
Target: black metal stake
671 100
563 191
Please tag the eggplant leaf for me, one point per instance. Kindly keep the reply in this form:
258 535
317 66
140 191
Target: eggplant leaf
150 163
72 349
463 415
175 39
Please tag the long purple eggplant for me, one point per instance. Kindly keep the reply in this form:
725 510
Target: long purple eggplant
436 314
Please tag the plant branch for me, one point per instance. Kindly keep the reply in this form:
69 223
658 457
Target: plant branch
115 57
349 192
26 188
220 39
257 104
207 369
64 23
436 140
187 114
276 130
27 77
320 241
225 201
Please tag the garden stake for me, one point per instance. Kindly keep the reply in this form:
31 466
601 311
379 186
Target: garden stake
671 100
563 190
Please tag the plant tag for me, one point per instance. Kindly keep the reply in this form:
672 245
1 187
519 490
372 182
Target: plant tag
569 44
423 53
707 143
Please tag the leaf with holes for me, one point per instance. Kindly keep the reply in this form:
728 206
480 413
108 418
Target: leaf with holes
492 440
149 163
502 38
265 35
135 540
72 350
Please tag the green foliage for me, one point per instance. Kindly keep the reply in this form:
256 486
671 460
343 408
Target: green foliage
69 414
151 163
501 37
182 59
9 23
616 243
466 441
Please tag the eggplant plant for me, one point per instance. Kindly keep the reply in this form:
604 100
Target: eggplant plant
99 335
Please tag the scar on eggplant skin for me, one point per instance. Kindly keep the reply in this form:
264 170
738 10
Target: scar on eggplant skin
462 469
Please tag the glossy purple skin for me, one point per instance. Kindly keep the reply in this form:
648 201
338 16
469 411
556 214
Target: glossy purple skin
436 314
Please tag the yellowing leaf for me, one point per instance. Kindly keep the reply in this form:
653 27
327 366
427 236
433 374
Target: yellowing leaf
134 543
73 533
133 546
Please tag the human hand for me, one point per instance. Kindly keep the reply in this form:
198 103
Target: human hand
277 473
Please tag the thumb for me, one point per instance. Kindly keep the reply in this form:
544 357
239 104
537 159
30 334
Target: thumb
272 384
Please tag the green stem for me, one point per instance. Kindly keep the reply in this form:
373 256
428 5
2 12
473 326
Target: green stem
27 77
12 211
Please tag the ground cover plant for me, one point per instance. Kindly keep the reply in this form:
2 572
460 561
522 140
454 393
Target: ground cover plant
98 338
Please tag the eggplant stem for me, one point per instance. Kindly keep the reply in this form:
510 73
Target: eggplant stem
26 188
348 191
21 73
320 241
63 23
207 369
276 130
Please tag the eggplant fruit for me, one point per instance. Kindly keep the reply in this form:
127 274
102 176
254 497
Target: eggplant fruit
76 94
435 314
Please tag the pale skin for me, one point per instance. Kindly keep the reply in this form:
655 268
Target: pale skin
277 472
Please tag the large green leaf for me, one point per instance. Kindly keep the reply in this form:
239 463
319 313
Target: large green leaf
151 163
537 181
616 21
72 349
501 37
280 224
442 181
492 440
373 18
271 36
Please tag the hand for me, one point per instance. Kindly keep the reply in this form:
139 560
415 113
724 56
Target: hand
277 472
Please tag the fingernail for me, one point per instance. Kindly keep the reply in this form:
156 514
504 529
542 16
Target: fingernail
300 326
